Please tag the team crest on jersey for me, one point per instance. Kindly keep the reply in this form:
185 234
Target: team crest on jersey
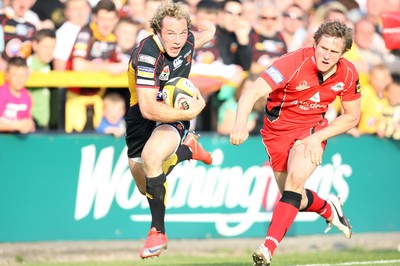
338 87
164 73
188 59
274 74
302 86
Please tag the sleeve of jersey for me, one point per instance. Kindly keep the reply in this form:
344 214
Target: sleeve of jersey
353 87
278 74
81 44
145 64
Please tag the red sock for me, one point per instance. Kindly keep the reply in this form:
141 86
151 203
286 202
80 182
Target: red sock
318 205
284 214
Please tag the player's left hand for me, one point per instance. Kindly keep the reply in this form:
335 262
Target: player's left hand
312 149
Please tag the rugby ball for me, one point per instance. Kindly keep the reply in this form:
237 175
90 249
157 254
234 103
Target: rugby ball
177 92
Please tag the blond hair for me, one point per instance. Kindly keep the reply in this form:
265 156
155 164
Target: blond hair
169 9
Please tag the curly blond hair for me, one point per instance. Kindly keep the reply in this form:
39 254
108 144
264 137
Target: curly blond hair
169 9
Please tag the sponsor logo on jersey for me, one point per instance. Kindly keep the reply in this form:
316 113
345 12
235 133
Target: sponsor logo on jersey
145 82
22 30
9 29
147 59
358 86
274 74
146 72
83 37
302 86
315 98
178 62
99 48
80 49
164 73
338 87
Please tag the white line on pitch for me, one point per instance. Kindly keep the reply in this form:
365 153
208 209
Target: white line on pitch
353 263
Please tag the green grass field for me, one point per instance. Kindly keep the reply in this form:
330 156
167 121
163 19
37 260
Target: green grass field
348 257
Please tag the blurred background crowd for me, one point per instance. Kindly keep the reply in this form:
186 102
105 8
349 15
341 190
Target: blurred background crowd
93 35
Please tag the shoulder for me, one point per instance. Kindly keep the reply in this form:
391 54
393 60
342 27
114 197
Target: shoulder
190 38
67 28
84 35
348 69
147 47
346 64
146 54
86 30
299 55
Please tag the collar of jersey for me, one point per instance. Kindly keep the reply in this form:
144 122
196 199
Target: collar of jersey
158 42
109 38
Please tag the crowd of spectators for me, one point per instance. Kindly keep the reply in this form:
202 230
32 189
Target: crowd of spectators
99 35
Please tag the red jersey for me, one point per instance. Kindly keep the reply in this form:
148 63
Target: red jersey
300 97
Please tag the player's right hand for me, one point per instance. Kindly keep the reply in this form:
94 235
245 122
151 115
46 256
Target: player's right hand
239 134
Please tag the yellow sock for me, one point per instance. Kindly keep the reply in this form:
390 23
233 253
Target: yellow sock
169 164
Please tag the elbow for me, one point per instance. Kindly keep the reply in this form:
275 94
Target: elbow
146 115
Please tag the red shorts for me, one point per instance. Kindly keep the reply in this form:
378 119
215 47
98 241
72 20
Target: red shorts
278 144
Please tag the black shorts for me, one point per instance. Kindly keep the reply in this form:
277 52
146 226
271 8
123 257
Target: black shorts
139 130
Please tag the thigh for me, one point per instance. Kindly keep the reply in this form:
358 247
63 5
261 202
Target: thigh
138 131
163 142
300 169
278 148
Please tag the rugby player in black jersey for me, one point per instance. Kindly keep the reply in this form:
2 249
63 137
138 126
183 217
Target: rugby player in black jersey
157 134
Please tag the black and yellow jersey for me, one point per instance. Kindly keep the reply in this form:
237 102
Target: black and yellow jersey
17 36
151 67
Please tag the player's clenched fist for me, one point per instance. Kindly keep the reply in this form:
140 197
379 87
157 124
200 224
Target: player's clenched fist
238 135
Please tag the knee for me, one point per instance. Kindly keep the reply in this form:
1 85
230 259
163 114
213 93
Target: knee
295 181
142 189
152 159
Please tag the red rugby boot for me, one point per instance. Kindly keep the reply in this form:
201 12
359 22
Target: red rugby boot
156 242
199 153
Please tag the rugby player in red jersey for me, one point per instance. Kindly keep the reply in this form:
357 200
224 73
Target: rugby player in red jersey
300 85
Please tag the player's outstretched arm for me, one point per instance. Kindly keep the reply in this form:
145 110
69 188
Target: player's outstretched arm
204 34
258 89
